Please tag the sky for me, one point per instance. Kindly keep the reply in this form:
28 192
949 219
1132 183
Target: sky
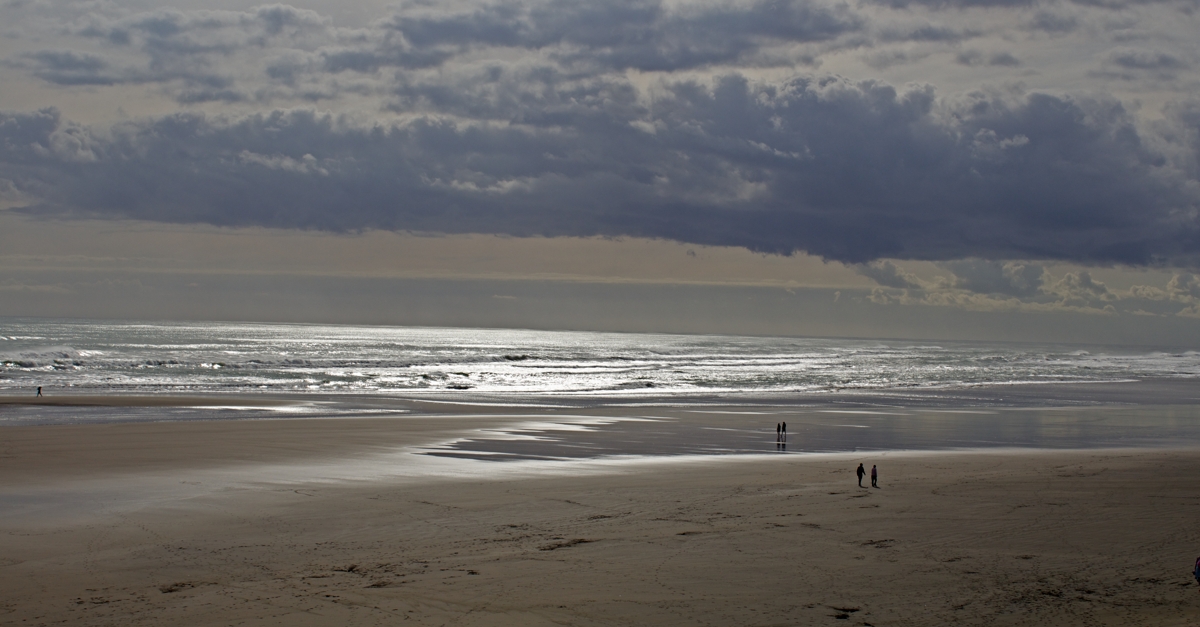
959 169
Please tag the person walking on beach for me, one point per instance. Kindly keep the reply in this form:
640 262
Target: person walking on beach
784 432
39 390
860 472
778 432
874 477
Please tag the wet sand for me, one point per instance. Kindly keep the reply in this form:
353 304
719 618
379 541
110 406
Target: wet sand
1144 391
121 400
250 522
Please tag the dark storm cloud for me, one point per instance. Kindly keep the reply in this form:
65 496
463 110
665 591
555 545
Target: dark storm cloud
852 171
1186 132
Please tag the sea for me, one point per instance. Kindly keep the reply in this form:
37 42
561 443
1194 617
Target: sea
125 357
908 394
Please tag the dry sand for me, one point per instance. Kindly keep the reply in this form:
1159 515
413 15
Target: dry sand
992 538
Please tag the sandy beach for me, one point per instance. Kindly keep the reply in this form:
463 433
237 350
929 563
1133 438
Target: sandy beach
264 523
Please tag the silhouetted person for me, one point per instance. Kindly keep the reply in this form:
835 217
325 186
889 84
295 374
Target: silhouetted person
778 431
860 472
785 432
874 477
39 390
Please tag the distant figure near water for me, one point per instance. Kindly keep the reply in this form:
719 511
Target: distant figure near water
874 477
785 432
860 472
39 390
778 432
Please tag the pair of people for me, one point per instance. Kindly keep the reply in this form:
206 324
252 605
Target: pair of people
781 432
874 476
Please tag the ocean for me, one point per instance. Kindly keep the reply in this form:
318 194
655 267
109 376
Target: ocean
113 357
615 393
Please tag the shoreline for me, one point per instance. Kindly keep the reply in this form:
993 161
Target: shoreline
211 432
143 400
1155 391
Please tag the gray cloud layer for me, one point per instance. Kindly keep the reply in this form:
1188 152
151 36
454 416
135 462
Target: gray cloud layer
535 118
848 171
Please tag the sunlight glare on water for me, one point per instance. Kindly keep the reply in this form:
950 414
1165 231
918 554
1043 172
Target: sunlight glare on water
148 358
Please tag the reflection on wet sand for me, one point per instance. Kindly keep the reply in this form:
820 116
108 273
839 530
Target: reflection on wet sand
711 432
